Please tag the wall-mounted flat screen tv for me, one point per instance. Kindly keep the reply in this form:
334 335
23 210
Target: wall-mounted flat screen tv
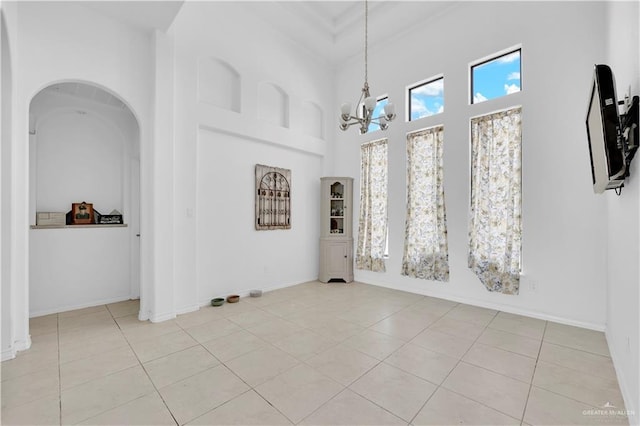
608 166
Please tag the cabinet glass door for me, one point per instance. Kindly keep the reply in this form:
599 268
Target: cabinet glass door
337 208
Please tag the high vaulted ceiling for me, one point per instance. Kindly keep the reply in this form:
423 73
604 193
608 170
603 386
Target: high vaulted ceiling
148 14
333 30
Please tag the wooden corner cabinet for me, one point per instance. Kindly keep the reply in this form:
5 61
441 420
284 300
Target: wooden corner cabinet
336 236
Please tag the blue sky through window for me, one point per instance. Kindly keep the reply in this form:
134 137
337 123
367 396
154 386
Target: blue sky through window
377 112
426 99
496 78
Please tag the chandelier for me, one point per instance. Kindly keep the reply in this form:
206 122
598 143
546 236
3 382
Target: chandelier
366 105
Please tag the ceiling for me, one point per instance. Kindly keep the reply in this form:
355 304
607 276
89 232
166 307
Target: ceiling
333 30
145 14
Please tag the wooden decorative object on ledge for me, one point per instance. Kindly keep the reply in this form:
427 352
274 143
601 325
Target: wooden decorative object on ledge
81 213
273 198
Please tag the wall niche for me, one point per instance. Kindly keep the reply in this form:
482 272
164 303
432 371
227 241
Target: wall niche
84 145
312 119
273 104
219 84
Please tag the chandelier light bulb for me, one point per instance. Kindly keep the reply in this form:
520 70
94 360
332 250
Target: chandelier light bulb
390 111
370 103
383 123
346 109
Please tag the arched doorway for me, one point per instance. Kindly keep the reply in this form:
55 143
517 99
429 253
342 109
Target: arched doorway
84 147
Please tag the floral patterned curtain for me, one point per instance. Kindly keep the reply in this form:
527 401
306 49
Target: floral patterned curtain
372 225
495 226
426 253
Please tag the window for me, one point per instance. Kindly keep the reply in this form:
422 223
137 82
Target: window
426 252
372 223
426 99
495 221
496 77
377 112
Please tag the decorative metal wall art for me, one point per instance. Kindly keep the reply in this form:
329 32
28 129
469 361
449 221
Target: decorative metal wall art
273 198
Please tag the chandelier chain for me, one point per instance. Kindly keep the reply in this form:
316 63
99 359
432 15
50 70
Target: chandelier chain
366 42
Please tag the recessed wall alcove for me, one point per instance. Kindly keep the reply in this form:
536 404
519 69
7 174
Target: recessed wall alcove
273 104
84 146
312 119
219 84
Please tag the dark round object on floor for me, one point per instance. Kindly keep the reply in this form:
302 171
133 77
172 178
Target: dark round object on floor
218 301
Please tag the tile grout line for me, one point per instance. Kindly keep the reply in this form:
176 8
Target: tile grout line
301 362
402 346
139 364
382 361
454 367
223 363
304 362
145 372
348 387
535 367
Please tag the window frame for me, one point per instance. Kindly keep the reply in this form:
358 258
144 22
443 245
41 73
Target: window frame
424 82
490 58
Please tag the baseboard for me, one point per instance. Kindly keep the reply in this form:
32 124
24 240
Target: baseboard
162 317
245 293
629 402
17 346
188 309
22 345
80 306
7 354
457 299
499 307
143 316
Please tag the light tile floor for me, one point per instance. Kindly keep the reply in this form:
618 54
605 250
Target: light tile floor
323 354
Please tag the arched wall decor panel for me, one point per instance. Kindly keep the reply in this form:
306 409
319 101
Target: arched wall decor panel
219 84
312 119
273 104
273 198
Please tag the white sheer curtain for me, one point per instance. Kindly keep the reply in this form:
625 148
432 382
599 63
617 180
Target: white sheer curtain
372 224
495 225
426 253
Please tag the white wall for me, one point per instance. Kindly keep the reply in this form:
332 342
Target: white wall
623 222
232 257
80 157
60 42
6 106
78 268
217 251
564 225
